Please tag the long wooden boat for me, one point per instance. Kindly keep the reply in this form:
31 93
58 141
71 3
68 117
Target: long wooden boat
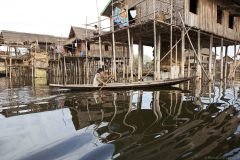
123 86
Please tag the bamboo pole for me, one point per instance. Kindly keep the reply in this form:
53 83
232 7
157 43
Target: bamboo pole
130 56
140 60
235 61
189 58
86 44
210 58
158 57
221 57
176 54
114 46
99 38
199 71
155 41
183 53
215 61
10 68
225 64
171 41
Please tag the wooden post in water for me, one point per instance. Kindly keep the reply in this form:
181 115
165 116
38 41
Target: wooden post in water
225 64
189 65
155 41
86 63
10 67
130 40
183 53
140 60
171 41
221 57
158 56
210 75
199 69
113 46
214 65
235 62
176 54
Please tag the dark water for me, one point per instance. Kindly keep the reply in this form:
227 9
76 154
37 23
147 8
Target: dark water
40 123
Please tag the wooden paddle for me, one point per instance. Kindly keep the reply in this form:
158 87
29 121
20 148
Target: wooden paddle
105 83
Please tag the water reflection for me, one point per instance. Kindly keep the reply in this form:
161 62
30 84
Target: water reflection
169 123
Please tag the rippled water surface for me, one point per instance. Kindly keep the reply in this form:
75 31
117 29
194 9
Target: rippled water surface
181 122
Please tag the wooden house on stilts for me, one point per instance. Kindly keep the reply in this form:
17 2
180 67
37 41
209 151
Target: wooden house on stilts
172 27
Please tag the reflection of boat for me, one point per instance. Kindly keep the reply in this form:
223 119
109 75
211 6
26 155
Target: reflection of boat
122 86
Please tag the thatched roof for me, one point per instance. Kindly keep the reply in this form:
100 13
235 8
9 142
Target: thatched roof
80 33
12 37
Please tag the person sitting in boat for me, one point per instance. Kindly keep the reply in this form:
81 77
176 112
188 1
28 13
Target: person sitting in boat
99 78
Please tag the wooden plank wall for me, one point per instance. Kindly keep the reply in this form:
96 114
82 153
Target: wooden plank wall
206 20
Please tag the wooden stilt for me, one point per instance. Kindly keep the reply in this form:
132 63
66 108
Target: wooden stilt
130 40
10 68
171 42
199 70
140 60
183 53
158 57
189 64
176 53
86 65
214 65
225 64
221 57
210 65
235 62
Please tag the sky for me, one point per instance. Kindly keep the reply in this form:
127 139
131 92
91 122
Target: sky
54 17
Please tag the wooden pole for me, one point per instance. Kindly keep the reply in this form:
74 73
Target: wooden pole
99 38
86 48
158 57
199 70
65 70
225 64
113 46
155 41
171 41
176 54
210 58
235 61
221 57
189 58
130 55
215 61
183 53
10 68
140 60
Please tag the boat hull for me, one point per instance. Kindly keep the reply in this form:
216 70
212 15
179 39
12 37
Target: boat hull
123 86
